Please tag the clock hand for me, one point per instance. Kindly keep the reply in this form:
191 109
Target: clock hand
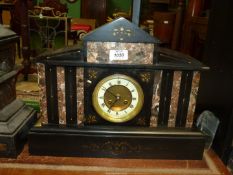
111 93
117 98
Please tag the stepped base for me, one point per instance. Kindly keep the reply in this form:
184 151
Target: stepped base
146 143
16 120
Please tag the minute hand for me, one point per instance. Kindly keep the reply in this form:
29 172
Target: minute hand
117 98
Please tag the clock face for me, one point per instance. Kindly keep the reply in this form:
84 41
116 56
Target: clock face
118 98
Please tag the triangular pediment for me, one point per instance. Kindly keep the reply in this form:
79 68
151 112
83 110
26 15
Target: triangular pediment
120 30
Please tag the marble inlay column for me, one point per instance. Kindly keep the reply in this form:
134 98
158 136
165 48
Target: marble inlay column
193 98
61 95
155 99
42 93
80 94
174 98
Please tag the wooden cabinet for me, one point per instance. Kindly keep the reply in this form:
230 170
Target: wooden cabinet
94 10
195 28
194 37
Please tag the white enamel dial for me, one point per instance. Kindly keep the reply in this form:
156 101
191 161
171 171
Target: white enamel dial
118 98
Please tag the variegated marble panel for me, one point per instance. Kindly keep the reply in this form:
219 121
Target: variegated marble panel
155 99
193 98
80 94
61 94
174 99
138 53
42 93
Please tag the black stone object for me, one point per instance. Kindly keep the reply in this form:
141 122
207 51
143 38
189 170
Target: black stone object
15 117
117 141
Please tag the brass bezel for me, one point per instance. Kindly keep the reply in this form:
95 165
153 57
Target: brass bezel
108 116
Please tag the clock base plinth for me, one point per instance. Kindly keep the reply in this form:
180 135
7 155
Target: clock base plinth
143 143
16 120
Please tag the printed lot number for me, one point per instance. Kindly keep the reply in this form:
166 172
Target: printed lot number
118 55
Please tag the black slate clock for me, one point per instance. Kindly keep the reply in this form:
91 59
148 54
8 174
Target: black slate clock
116 97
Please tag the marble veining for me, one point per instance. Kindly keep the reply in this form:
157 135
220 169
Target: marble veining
138 53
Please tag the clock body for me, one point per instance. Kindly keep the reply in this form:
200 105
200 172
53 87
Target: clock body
117 97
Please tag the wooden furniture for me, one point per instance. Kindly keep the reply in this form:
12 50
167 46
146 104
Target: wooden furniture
168 23
21 27
26 164
177 32
164 23
195 36
92 10
194 30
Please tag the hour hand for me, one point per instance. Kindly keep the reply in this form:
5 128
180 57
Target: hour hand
111 93
110 107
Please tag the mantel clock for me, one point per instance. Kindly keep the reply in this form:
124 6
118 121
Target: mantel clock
119 95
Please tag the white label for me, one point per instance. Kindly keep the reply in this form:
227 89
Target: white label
118 55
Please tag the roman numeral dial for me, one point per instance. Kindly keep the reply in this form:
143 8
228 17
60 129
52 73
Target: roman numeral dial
118 98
